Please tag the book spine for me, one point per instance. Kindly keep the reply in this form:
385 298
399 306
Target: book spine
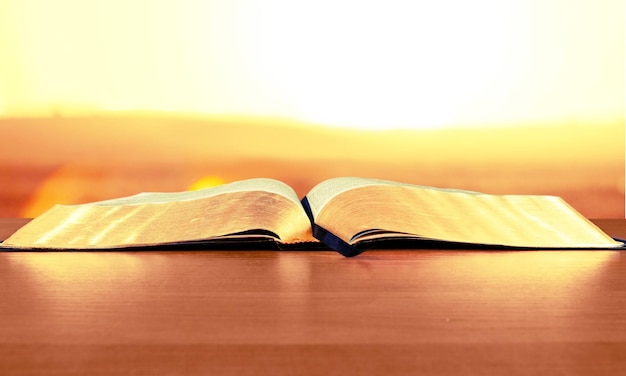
327 237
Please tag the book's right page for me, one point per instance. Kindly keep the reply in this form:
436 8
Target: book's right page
356 209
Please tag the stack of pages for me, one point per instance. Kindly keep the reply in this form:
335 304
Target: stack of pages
347 214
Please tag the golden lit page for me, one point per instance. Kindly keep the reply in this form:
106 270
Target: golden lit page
322 193
261 184
382 209
152 219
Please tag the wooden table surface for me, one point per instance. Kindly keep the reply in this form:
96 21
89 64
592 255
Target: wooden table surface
314 312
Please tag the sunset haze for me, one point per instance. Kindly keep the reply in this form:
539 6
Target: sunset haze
100 99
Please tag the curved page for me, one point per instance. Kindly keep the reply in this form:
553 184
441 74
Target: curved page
379 209
153 219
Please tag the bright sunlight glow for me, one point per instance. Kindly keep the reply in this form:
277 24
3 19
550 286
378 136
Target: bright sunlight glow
376 64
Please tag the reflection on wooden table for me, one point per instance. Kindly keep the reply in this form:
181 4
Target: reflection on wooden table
314 312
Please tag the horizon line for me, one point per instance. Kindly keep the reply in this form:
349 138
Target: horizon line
269 119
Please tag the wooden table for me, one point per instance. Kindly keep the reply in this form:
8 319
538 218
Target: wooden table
314 312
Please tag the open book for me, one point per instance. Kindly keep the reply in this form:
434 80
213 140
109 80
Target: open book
347 214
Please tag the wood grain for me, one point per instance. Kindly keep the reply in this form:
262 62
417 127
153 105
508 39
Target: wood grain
314 312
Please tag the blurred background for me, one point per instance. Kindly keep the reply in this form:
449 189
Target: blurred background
101 99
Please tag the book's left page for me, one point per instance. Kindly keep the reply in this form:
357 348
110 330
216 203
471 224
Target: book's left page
244 210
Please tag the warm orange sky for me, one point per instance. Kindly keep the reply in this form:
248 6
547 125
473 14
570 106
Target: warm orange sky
375 64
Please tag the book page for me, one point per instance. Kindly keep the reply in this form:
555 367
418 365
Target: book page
259 184
458 216
153 220
319 196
